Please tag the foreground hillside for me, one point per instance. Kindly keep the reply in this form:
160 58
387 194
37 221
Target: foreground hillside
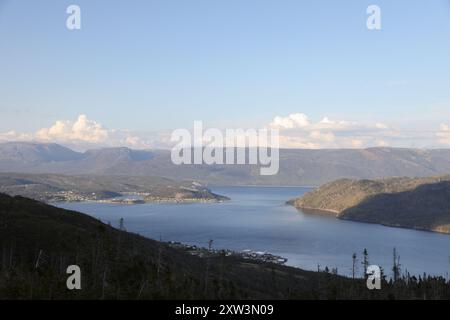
419 203
297 167
53 188
38 242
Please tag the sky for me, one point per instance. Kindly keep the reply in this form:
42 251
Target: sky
312 69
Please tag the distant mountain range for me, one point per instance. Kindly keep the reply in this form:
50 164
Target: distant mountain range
297 166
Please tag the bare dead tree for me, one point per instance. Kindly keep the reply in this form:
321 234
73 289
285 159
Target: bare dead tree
143 285
210 242
122 225
38 260
11 255
206 276
396 264
354 259
158 264
365 261
104 284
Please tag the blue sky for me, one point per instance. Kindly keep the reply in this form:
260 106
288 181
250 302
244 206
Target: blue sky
161 64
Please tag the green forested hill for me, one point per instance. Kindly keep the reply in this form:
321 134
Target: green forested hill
420 203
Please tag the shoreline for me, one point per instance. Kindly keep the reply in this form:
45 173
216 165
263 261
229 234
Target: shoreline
257 186
327 212
138 202
324 211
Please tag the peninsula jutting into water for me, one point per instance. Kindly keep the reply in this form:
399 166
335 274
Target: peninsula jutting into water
417 203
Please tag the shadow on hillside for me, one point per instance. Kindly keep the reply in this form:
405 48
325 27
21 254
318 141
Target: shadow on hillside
425 207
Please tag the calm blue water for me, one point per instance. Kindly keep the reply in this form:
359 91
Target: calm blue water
257 219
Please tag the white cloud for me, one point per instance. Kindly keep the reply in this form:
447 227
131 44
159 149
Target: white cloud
295 120
13 135
356 143
82 130
326 123
297 142
84 133
382 143
298 131
302 121
380 125
322 136
132 140
444 134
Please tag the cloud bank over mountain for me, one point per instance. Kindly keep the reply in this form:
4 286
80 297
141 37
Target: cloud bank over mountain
84 133
296 130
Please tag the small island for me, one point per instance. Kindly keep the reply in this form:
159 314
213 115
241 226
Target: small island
416 203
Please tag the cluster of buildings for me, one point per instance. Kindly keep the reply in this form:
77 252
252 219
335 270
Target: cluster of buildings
69 196
262 256
245 254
